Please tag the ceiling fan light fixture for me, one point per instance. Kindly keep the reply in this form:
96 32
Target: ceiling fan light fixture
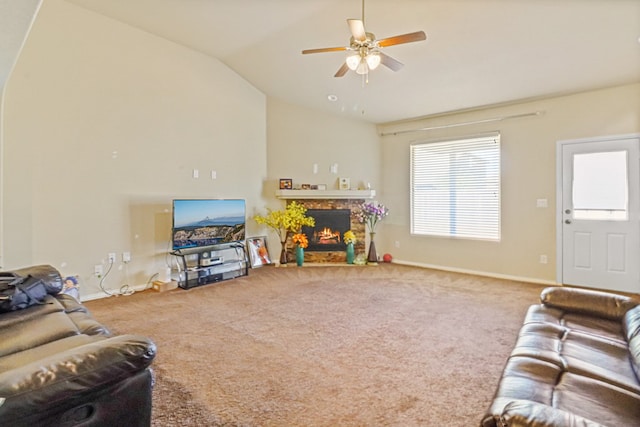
363 68
373 60
353 60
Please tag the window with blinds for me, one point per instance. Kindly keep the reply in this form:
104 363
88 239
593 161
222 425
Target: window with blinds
455 188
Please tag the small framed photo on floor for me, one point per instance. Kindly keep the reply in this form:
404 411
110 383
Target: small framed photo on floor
258 251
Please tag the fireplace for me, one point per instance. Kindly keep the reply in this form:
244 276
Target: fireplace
326 235
330 251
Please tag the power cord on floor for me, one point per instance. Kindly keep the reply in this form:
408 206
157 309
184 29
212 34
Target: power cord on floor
104 276
125 289
150 281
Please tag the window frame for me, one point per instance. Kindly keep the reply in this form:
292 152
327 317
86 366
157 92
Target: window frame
486 198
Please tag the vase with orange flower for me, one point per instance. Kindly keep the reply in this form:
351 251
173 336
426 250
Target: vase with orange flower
301 243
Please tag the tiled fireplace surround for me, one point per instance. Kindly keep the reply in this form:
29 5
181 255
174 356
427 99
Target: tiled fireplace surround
357 227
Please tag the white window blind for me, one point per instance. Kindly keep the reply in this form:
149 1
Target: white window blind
455 188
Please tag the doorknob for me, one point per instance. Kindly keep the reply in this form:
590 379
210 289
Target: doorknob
567 211
567 221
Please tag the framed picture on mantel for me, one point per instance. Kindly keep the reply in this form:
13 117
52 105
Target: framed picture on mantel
286 184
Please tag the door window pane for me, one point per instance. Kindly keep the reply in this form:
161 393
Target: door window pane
600 186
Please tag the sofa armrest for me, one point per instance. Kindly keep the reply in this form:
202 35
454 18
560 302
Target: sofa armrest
596 303
55 378
524 413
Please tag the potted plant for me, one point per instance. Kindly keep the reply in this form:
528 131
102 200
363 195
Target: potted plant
286 222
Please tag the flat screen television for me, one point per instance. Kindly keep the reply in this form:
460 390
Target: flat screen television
205 222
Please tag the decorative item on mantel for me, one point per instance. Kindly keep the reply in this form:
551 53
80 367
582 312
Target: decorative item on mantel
286 222
345 184
286 183
301 242
350 238
372 213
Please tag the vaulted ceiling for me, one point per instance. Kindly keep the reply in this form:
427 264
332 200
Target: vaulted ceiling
477 52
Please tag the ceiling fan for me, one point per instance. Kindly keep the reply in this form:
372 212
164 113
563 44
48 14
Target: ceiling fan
365 50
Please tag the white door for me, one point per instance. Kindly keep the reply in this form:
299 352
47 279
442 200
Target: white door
600 211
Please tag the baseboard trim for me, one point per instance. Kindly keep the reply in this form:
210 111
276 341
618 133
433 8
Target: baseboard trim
478 273
140 288
114 293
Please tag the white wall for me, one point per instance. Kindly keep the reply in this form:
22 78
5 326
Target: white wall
299 138
15 19
103 125
528 174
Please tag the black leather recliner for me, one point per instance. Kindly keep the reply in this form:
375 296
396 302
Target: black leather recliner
60 367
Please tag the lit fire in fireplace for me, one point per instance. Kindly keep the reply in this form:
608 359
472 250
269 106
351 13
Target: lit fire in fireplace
326 236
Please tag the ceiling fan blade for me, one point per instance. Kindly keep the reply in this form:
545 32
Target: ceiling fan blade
324 49
357 29
404 38
389 62
342 71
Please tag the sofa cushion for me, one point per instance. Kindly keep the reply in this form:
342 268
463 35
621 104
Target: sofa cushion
584 323
80 316
631 323
21 358
521 413
589 302
632 331
528 379
41 324
578 353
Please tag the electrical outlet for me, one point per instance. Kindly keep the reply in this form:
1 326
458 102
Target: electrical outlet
397 243
543 259
126 256
112 257
97 270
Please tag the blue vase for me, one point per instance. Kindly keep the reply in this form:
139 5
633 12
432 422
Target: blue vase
351 253
299 255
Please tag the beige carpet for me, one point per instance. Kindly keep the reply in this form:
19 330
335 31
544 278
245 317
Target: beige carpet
327 346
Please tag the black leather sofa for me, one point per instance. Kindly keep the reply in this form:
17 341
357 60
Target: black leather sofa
60 367
576 363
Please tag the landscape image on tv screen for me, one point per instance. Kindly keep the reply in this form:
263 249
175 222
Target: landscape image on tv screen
207 222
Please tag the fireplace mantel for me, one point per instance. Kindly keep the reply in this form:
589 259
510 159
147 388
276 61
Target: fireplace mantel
325 194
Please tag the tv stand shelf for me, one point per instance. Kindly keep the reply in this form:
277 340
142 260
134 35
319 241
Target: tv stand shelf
209 264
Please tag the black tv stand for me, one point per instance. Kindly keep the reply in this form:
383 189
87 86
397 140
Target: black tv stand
209 264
